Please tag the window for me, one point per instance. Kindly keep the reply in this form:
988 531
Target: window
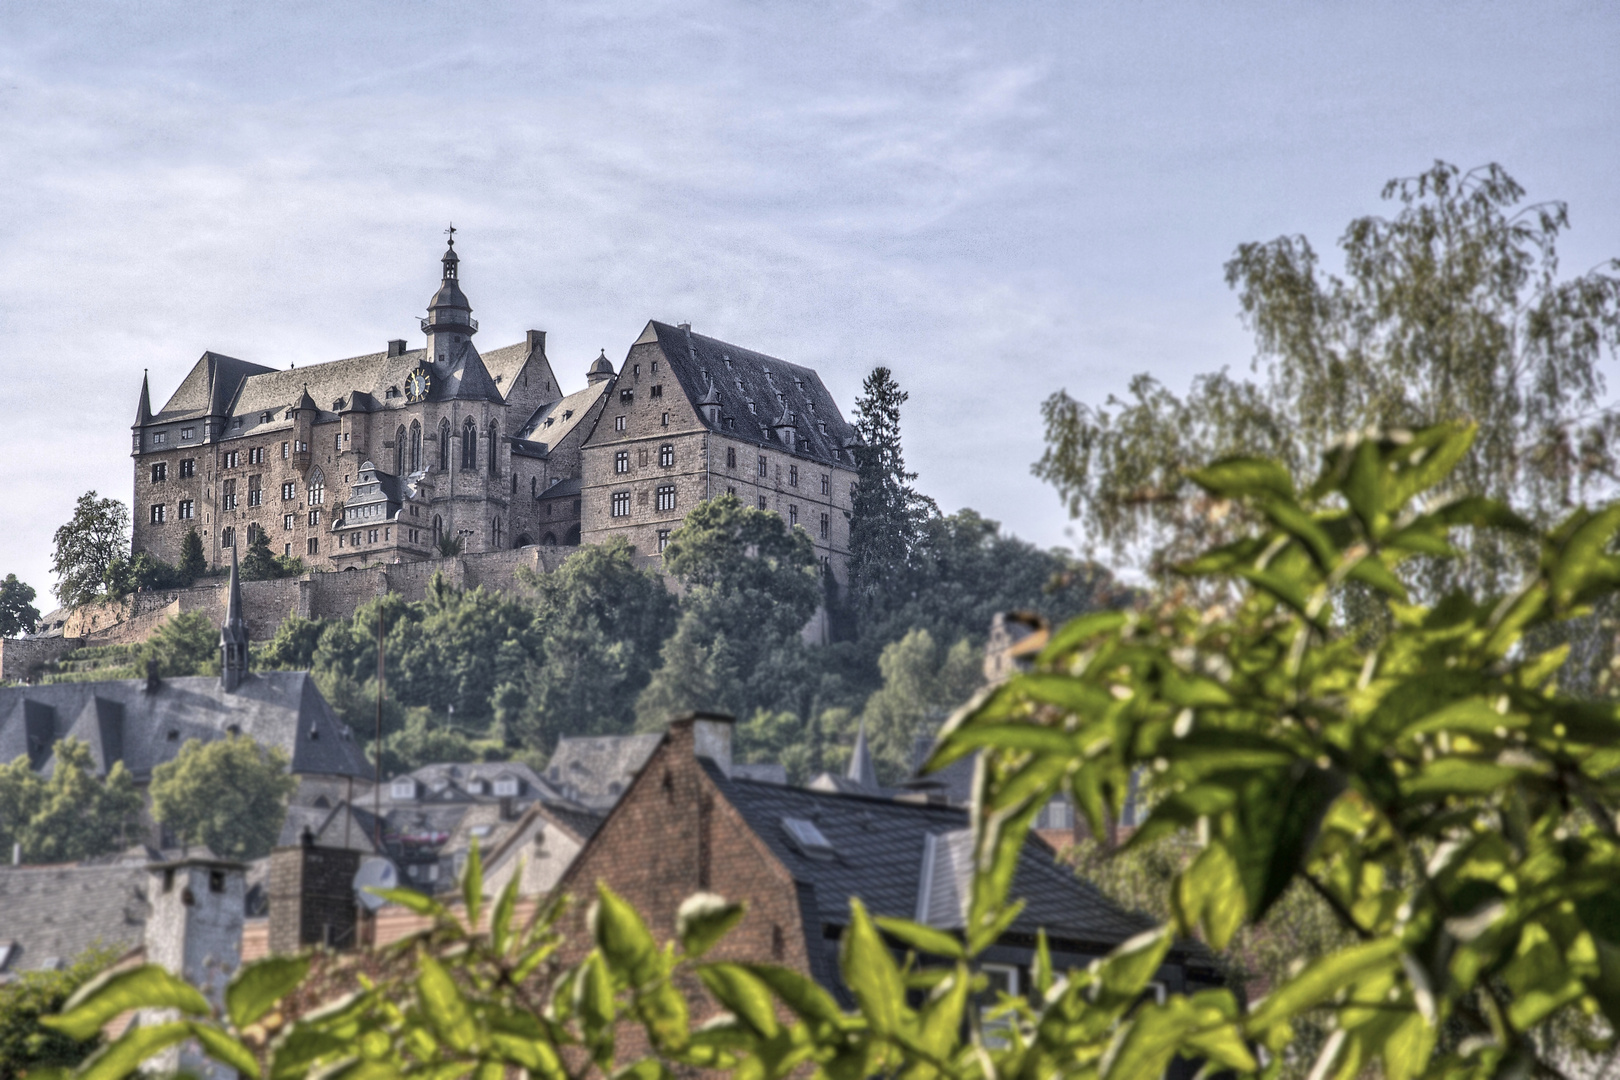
663 539
1003 979
187 434
160 472
494 449
806 836
286 451
338 440
399 451
317 488
793 515
313 547
618 423
666 420
403 788
227 537
764 469
252 532
731 457
188 468
255 496
643 457
751 405
314 517
666 456
159 438
289 491
188 509
469 446
495 533
731 425
229 493
621 504
230 459
825 521
826 484
256 456
657 391
621 461
416 447
371 536
160 513
444 446
762 502
289 521
666 496
627 395
731 490
793 476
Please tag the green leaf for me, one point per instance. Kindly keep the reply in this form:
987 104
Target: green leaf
1323 978
500 927
623 938
115 992
703 919
736 987
132 1049
1209 894
472 886
923 939
412 900
444 1005
257 988
1080 630
803 995
870 972
225 1049
1584 558
1240 477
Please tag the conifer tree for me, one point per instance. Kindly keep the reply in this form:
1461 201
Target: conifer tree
193 564
887 513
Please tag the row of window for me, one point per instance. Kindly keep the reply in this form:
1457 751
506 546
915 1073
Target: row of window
620 423
666 459
619 506
227 539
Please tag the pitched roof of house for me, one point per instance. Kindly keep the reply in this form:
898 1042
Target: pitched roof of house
556 420
49 915
595 770
123 720
774 386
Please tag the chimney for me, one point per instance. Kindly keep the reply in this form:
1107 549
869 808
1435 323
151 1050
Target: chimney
396 347
537 341
195 931
312 897
711 736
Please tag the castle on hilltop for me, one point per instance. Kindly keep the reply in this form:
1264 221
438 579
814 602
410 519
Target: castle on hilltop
381 458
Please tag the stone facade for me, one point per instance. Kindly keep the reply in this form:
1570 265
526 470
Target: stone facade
312 897
195 931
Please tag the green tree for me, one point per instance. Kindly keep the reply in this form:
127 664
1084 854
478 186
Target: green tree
230 795
193 563
187 644
96 534
1452 309
18 615
294 644
71 815
923 683
886 513
259 564
26 1045
751 584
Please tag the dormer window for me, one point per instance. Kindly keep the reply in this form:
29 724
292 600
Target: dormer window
506 786
403 788
807 838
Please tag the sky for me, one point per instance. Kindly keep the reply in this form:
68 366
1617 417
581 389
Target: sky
996 201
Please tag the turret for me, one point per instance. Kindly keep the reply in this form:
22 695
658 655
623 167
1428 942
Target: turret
449 320
143 414
709 404
601 369
233 638
303 418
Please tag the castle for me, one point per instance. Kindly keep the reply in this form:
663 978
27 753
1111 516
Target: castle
402 455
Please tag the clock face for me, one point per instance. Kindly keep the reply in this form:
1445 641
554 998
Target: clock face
417 385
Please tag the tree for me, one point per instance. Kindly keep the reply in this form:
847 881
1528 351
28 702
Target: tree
26 1045
751 584
71 815
187 644
886 513
1450 310
86 546
259 564
230 795
923 683
193 563
18 615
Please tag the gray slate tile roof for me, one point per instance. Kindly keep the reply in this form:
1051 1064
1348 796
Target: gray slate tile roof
556 420
52 914
123 721
595 770
742 375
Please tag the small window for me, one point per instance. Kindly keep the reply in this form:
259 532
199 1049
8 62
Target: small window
618 423
826 484
289 521
825 521
227 537
188 510
188 468
313 547
160 513
764 468
172 735
286 451
666 496
627 395
403 788
665 421
314 517
666 456
806 836
731 457
621 461
657 391
793 476
731 490
228 491
216 881
663 539
160 472
793 515
187 434
506 786
289 491
621 504
159 438
762 502
731 424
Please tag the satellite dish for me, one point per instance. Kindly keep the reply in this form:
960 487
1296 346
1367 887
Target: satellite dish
375 872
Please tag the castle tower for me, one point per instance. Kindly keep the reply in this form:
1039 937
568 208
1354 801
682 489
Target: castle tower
195 932
233 638
449 321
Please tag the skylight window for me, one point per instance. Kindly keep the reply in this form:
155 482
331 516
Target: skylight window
807 837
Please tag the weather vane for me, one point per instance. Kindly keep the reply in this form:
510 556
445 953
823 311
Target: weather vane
451 232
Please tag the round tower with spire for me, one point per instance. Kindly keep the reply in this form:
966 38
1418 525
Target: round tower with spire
449 319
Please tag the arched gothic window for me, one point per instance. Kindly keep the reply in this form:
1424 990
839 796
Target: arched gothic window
438 528
317 487
494 449
416 447
469 446
399 451
495 534
444 446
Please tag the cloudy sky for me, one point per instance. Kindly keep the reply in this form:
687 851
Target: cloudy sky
995 200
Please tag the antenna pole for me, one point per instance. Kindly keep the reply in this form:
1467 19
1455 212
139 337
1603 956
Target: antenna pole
376 787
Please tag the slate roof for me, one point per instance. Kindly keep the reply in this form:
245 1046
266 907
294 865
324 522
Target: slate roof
765 773
464 774
563 489
595 770
124 721
879 845
742 375
556 420
54 913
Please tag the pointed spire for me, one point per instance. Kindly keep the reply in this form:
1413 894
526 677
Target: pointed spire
143 411
861 769
601 368
307 402
711 396
233 638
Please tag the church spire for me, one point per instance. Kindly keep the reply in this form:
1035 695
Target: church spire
861 769
143 411
449 319
233 638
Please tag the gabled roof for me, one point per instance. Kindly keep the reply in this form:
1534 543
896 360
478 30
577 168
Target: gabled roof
595 770
556 420
742 375
210 386
283 709
54 913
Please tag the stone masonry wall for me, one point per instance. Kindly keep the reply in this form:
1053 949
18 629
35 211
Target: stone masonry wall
19 657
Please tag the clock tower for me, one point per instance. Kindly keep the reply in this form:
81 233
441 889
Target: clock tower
449 324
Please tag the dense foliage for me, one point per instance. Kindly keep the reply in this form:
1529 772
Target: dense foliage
27 1046
229 795
73 814
18 615
86 547
1452 309
1452 810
